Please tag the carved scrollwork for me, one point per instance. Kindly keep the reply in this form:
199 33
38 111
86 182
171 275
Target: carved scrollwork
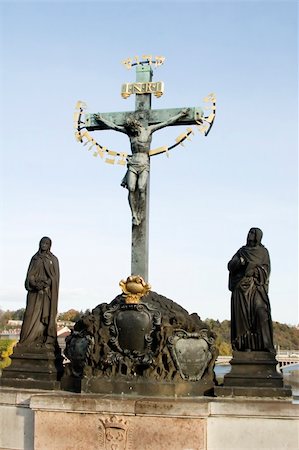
132 332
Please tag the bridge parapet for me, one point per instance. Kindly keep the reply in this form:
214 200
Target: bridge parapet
285 361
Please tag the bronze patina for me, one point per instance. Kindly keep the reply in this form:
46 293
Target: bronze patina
139 126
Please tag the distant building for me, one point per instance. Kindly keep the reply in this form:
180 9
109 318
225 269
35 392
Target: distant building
62 333
11 333
15 323
65 323
15 331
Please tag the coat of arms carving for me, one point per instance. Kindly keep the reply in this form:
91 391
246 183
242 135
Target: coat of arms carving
191 353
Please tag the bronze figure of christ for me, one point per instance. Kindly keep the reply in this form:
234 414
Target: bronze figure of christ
138 166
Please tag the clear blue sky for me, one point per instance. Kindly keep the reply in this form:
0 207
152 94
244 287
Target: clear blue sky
204 198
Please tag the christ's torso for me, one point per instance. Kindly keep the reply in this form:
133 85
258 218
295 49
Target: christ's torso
142 142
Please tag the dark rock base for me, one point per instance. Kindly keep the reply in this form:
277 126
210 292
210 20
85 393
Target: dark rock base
151 348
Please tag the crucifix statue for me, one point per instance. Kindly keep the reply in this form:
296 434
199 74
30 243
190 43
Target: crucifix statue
139 126
140 135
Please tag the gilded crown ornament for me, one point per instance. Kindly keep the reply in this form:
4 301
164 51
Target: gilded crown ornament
134 288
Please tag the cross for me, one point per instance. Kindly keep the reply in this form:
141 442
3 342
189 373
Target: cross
139 125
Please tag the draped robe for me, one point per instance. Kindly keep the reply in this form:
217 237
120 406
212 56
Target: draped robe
251 323
42 282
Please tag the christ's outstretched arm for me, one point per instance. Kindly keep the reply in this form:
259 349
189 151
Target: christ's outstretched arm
110 125
170 121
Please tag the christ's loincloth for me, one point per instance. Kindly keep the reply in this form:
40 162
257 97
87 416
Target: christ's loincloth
137 164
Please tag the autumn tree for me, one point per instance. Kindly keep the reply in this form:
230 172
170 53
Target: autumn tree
72 315
6 349
5 316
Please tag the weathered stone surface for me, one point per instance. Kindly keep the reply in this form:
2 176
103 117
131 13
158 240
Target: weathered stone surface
43 420
86 403
153 348
173 407
253 369
246 391
255 407
33 367
253 374
17 428
191 353
16 420
119 386
119 432
248 433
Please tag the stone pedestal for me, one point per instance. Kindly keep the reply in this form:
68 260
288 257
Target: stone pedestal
147 388
34 368
59 420
253 374
153 347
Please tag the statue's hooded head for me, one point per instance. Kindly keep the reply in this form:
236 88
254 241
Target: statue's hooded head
45 244
254 237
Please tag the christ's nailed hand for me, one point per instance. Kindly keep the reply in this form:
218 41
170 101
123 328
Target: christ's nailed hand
185 111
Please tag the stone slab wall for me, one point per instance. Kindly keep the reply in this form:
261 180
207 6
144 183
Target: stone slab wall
16 420
65 421
102 431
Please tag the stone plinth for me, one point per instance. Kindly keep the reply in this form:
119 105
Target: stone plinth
147 388
44 420
33 368
253 374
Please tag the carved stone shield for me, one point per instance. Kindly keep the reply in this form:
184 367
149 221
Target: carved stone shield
132 329
191 353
